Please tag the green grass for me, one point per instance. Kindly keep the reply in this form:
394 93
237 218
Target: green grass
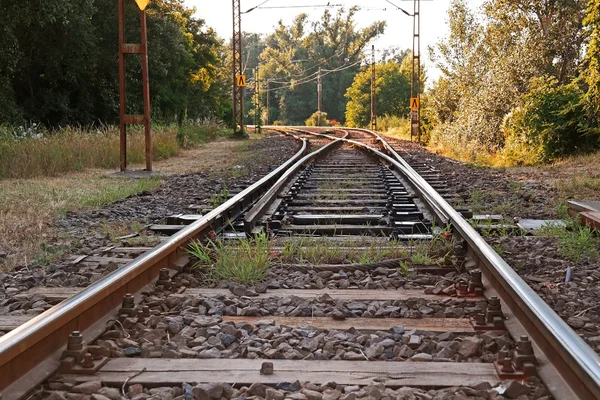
111 193
247 261
219 198
577 242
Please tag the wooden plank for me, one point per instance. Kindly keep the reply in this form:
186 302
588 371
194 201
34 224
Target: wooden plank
338 294
51 294
10 322
55 295
172 372
591 218
128 249
117 260
459 325
133 119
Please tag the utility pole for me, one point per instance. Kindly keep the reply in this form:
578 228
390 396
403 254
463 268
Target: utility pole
268 101
238 91
373 92
257 110
142 49
320 97
415 89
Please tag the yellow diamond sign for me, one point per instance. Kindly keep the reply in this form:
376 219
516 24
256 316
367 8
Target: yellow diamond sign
142 4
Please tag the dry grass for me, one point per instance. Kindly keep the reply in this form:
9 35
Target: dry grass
213 156
73 149
29 206
575 177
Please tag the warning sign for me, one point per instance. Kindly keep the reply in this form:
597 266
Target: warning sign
241 80
142 4
414 103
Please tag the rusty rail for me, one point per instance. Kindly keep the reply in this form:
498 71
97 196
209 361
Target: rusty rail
30 353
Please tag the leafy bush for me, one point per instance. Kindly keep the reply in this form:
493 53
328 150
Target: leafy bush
314 120
549 124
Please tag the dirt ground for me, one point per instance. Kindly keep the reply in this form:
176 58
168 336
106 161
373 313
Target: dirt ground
29 208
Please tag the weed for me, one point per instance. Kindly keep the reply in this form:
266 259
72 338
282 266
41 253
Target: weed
519 266
499 248
580 245
404 268
49 253
239 171
117 192
219 198
479 199
577 242
246 262
508 207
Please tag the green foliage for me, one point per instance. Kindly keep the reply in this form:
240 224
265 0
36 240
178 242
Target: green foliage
318 119
488 62
246 261
219 198
294 54
591 73
59 63
393 94
547 125
577 243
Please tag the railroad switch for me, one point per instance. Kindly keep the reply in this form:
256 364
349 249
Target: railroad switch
519 365
492 319
76 359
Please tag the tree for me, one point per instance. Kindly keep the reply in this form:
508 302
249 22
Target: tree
393 94
59 62
292 59
488 64
549 124
591 73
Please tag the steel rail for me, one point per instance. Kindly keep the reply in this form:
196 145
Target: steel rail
410 173
259 209
576 362
41 340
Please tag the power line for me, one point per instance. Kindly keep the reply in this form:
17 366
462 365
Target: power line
400 8
255 7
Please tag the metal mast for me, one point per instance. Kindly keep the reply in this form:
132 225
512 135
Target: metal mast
415 89
268 102
320 97
258 112
238 92
373 92
127 119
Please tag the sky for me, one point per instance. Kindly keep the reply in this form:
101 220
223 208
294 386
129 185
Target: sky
218 15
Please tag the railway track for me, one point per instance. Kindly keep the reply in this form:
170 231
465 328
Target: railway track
378 289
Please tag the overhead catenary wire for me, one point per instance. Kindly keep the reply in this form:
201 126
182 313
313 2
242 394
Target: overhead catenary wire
255 7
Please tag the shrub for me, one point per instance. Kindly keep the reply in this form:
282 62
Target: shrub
549 124
314 120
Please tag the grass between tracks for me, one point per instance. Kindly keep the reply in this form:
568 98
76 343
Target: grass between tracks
248 261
